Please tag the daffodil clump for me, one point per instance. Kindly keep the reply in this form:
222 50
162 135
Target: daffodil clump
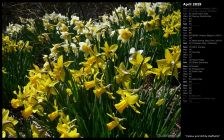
110 77
8 124
9 45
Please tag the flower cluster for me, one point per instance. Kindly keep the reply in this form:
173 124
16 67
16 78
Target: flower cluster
97 66
9 45
8 124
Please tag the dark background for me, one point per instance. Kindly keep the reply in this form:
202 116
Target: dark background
11 11
206 117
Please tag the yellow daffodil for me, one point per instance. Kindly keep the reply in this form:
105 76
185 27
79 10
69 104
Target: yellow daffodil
109 51
171 24
63 28
58 71
27 112
66 128
138 60
85 47
38 133
79 26
173 61
136 57
137 12
46 85
66 35
121 105
156 21
68 91
162 69
35 132
89 84
148 26
74 19
16 103
127 100
100 90
146 135
123 74
53 115
8 124
115 123
175 50
90 61
77 74
168 66
73 134
168 32
160 102
110 95
124 35
129 19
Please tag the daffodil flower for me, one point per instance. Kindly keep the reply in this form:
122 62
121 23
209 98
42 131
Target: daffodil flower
58 71
128 99
35 132
160 102
162 69
139 62
110 95
123 74
146 135
68 91
63 28
89 84
63 129
155 21
168 32
124 35
74 19
109 51
167 66
79 26
65 35
27 112
100 90
171 24
67 128
173 61
77 74
54 114
115 123
86 47
8 124
175 50
136 58
148 26
47 86
16 103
